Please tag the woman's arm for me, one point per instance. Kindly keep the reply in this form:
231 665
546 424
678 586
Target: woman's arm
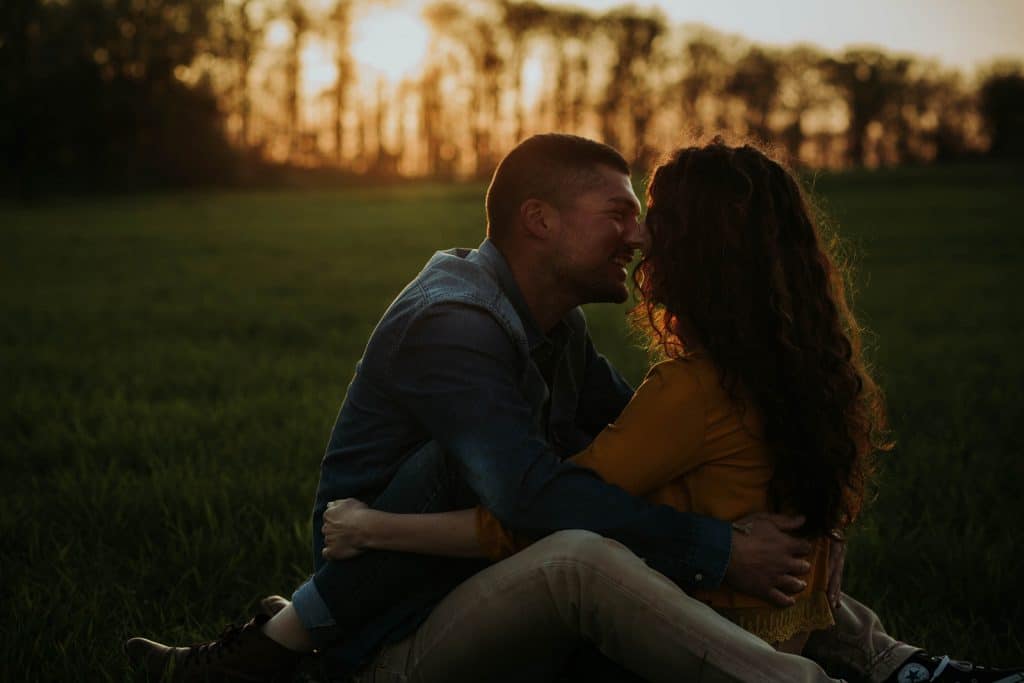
350 527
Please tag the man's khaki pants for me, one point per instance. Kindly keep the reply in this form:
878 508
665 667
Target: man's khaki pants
519 619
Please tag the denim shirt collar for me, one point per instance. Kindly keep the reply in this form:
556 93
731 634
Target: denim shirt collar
535 337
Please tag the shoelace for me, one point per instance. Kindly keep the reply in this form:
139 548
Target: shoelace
215 649
943 663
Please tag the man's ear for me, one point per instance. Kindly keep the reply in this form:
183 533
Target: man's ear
539 218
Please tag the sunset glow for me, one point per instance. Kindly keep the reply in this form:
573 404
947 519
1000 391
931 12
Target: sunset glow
390 42
319 71
425 87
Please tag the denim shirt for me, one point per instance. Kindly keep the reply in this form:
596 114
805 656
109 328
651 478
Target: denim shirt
457 359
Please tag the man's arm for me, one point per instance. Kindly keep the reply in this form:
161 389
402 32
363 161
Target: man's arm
457 373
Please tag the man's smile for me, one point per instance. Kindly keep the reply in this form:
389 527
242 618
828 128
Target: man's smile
623 259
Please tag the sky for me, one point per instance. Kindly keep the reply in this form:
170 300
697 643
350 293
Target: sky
960 33
391 40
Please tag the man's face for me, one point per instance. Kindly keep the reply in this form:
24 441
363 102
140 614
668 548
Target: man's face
599 230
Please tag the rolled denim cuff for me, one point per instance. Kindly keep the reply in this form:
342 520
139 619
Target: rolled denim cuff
311 608
706 554
717 551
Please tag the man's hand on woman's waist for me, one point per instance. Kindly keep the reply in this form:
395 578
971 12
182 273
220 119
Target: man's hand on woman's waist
767 561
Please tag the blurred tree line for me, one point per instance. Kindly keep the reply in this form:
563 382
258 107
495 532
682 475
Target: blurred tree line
135 93
91 99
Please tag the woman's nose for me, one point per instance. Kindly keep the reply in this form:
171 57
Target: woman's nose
640 236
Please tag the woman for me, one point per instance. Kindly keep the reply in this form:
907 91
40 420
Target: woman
763 402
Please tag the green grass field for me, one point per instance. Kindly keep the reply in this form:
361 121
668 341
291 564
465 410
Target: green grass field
173 364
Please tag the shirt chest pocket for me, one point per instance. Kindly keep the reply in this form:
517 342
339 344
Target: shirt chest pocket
537 394
554 411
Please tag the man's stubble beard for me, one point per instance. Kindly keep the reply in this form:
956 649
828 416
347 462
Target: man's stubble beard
591 290
609 294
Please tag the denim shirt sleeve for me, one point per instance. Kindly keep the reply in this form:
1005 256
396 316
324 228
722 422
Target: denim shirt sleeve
456 371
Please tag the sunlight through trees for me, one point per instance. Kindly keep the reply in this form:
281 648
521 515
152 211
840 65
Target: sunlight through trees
441 89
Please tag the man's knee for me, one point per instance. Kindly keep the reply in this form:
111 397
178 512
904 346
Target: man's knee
585 548
427 481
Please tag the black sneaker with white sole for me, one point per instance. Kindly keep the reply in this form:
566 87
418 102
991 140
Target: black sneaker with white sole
923 667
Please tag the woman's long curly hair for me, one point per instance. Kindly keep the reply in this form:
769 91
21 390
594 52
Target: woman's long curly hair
738 264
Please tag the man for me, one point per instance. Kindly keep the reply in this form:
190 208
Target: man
476 384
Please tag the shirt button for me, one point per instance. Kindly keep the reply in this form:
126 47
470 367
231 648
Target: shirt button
699 577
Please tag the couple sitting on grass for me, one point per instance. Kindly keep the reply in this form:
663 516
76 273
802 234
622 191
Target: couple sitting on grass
497 504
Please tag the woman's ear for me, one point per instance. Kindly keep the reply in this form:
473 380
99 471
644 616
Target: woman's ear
539 218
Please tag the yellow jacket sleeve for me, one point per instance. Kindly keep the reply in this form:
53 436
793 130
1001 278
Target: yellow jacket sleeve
657 438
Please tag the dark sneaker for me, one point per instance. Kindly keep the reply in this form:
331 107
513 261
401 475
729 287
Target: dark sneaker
272 604
240 654
924 667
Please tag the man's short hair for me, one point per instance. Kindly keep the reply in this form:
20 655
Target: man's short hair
553 167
